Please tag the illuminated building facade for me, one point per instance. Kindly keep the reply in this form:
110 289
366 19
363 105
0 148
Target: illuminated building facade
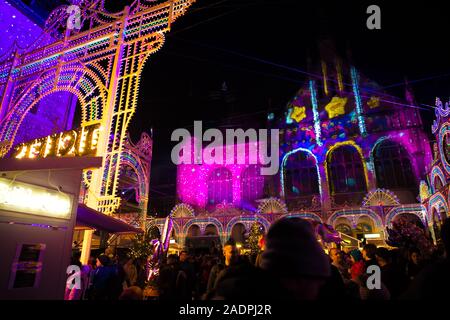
434 191
351 156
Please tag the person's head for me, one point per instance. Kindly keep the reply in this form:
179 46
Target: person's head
383 256
132 293
335 255
172 259
230 252
184 256
294 256
445 234
369 251
102 260
414 256
355 255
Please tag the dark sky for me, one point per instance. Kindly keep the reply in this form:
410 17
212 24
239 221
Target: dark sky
257 47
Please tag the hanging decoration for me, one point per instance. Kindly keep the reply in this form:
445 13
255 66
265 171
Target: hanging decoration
298 113
336 107
374 102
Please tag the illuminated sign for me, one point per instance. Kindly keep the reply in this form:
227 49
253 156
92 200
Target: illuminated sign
27 198
336 107
72 143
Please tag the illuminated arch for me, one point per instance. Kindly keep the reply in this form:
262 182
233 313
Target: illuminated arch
418 210
356 213
82 82
381 197
304 215
436 172
245 220
283 164
437 201
129 159
358 149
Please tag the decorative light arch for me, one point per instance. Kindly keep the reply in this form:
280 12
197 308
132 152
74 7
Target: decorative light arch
246 220
201 221
182 210
437 172
129 159
358 149
283 164
419 210
437 201
356 213
271 204
380 197
442 132
304 215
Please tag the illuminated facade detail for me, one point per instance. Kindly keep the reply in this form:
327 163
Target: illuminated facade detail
374 102
356 214
418 210
325 77
359 106
313 92
336 107
182 210
351 144
101 65
298 113
305 215
380 197
272 205
437 199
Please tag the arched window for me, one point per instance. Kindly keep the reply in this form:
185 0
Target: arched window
346 171
301 177
437 183
220 184
393 167
252 184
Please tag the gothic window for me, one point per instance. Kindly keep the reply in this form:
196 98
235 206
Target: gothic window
301 176
252 184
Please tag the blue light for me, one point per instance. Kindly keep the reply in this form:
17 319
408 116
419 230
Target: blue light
355 83
312 89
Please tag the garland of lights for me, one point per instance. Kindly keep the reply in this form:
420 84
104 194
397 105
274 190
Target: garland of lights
283 164
357 147
312 89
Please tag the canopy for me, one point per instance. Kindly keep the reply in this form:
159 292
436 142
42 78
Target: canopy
91 219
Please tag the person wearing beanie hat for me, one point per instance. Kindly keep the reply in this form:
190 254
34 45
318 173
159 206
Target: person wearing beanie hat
294 256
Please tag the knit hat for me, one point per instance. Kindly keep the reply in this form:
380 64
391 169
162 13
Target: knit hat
356 254
292 250
104 260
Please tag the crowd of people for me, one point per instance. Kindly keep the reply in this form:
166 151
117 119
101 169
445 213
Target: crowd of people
293 265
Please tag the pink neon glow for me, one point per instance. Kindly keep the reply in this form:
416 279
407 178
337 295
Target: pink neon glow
192 179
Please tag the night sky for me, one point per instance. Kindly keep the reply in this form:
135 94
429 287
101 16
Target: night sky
259 48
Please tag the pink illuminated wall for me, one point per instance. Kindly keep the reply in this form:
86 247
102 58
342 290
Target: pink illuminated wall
192 181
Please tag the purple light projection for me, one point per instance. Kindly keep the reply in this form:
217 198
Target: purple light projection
19 29
192 180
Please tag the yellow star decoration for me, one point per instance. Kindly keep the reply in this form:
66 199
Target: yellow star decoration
374 102
336 107
298 113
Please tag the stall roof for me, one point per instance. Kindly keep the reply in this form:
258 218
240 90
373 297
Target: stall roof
92 219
